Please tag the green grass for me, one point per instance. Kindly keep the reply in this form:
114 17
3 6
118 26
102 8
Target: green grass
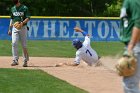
61 48
37 81
33 81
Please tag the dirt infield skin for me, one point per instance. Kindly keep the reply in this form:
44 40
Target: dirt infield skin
100 79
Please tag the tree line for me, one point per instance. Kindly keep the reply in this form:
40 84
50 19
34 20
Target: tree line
73 8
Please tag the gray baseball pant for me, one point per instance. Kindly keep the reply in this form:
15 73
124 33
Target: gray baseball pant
131 84
22 36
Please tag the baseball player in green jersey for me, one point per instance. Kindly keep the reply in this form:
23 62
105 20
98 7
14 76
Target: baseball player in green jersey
130 35
18 29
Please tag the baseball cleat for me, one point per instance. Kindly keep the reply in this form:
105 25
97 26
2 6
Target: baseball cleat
15 62
25 64
98 63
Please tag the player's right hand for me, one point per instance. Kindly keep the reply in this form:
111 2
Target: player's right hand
9 33
59 64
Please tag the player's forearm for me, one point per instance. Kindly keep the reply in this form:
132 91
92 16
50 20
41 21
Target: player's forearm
11 24
77 29
84 33
25 21
134 39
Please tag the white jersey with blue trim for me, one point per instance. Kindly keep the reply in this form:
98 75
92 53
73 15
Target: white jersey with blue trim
86 53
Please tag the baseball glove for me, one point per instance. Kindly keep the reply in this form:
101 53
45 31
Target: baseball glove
126 65
18 25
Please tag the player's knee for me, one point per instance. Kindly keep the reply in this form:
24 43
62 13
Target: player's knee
24 46
14 44
24 49
130 84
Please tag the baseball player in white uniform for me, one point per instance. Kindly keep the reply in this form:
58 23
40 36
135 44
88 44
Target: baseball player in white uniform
84 51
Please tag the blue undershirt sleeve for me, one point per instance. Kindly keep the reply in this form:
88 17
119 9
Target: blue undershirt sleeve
84 33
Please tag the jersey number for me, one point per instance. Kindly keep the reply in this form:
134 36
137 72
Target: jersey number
88 52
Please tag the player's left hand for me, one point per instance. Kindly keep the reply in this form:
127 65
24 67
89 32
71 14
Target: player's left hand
59 64
127 64
66 64
18 25
77 29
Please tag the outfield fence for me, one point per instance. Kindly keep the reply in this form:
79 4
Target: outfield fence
61 28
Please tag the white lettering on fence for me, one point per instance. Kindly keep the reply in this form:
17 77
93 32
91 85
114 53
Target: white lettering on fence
60 28
75 34
102 25
49 26
114 29
34 25
63 29
90 25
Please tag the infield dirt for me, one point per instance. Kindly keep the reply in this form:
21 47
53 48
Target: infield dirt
101 79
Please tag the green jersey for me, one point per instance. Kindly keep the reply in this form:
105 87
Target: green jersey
19 13
130 17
